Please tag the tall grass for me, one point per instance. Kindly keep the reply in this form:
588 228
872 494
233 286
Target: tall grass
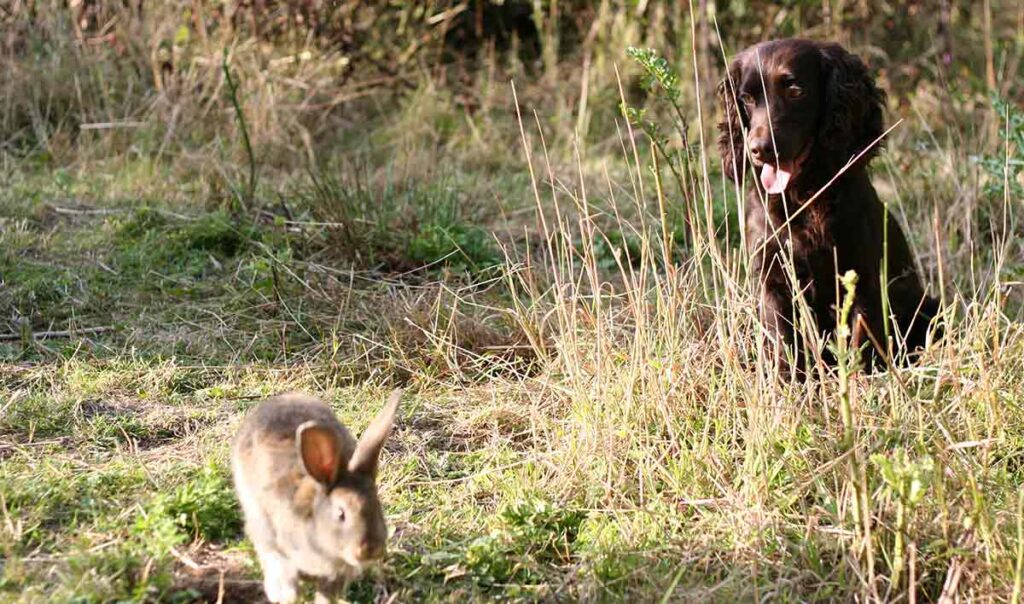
850 486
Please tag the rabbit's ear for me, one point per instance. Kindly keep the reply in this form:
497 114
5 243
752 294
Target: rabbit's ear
364 460
320 451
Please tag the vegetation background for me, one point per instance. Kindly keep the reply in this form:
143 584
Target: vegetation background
502 207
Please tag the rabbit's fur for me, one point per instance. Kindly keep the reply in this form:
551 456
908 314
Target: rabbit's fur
309 494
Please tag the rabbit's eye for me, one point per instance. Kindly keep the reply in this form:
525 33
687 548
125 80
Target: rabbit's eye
341 515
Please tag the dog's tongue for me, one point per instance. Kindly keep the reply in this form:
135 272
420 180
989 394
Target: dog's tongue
775 179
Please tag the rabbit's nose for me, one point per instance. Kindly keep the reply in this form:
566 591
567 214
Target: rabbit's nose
371 549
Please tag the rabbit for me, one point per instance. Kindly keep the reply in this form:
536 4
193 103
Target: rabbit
308 493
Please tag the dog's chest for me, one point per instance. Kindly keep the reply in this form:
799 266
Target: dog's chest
812 235
806 237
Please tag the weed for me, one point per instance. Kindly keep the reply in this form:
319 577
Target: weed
527 535
401 228
460 247
37 415
203 507
1005 168
150 243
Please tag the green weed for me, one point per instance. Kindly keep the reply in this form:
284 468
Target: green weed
150 243
203 507
400 228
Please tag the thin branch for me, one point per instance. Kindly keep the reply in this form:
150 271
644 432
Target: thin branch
65 333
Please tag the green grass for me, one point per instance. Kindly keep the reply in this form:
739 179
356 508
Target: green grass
588 416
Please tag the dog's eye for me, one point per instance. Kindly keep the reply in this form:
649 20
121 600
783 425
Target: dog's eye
746 99
794 92
341 515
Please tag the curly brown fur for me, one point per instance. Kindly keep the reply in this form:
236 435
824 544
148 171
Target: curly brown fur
797 112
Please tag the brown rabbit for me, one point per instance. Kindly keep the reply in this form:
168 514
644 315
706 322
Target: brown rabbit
309 494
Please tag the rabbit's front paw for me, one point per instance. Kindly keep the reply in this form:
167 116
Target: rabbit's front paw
280 581
280 591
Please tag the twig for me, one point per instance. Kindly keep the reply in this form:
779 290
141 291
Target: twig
86 211
111 125
65 333
187 561
250 193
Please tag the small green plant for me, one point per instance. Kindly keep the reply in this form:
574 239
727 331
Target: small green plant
149 241
657 73
400 228
528 533
545 529
203 507
847 363
907 481
662 83
1005 168
461 247
659 80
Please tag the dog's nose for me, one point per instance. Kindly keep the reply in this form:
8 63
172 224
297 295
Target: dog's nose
760 149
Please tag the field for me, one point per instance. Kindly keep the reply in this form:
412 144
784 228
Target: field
531 234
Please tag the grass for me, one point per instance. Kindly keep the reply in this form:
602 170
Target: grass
639 450
588 415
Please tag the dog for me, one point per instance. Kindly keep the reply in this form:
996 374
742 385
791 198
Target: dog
806 116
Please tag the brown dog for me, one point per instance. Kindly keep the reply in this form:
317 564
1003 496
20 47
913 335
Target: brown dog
801 111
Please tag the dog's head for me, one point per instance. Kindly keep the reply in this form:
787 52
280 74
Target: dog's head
790 104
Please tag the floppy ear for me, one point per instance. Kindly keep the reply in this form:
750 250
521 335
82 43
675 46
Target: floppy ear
320 451
734 121
364 460
853 105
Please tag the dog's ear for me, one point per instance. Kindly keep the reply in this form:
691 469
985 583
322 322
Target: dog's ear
734 120
853 104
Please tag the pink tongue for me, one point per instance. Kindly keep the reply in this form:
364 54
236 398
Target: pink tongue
775 180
